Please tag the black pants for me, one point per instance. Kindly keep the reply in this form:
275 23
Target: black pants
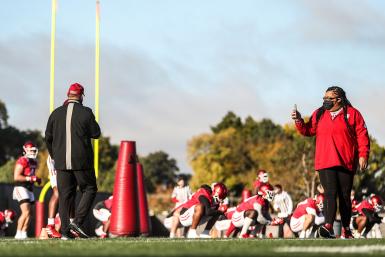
67 182
337 181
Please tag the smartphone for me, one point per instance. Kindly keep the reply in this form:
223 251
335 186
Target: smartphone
295 107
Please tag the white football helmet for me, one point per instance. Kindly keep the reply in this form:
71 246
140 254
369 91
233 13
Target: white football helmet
30 150
263 176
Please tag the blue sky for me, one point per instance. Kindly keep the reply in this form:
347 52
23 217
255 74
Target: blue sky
170 69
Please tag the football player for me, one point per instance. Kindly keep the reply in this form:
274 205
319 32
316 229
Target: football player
367 216
53 202
25 177
6 217
102 212
262 179
201 208
253 211
307 214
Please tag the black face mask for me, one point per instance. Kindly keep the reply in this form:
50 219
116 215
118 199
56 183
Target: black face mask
327 104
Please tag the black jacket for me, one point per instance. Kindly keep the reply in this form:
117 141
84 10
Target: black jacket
68 136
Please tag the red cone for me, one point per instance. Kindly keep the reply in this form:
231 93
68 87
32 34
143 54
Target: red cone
144 218
124 217
39 214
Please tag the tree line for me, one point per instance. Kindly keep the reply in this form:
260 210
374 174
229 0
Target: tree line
232 152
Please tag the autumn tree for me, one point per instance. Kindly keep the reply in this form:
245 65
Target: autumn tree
158 168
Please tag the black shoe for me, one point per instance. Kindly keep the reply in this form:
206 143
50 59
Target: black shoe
326 231
75 230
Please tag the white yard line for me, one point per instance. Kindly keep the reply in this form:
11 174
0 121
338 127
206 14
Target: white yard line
332 249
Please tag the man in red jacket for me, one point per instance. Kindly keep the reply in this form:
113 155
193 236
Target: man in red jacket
342 145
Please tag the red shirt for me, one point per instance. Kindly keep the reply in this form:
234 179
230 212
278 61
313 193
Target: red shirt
251 201
364 205
195 198
307 206
334 144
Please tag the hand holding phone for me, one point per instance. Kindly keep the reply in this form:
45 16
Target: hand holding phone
295 115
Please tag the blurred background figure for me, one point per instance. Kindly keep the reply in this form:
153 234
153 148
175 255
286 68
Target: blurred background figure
262 179
24 177
367 216
308 216
253 211
102 212
283 205
6 217
182 191
180 195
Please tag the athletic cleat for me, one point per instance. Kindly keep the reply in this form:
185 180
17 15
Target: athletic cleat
326 231
77 231
52 233
69 234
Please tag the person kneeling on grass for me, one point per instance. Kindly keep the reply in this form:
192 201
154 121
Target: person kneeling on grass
255 210
367 216
102 212
201 208
308 214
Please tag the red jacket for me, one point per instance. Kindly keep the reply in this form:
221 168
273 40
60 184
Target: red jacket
334 145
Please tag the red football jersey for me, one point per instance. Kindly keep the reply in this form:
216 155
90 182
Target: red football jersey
195 198
29 169
364 205
251 201
307 206
29 166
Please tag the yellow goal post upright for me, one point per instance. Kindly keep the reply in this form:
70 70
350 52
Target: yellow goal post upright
97 83
51 81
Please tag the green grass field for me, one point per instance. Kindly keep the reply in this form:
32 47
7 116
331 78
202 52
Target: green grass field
199 247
